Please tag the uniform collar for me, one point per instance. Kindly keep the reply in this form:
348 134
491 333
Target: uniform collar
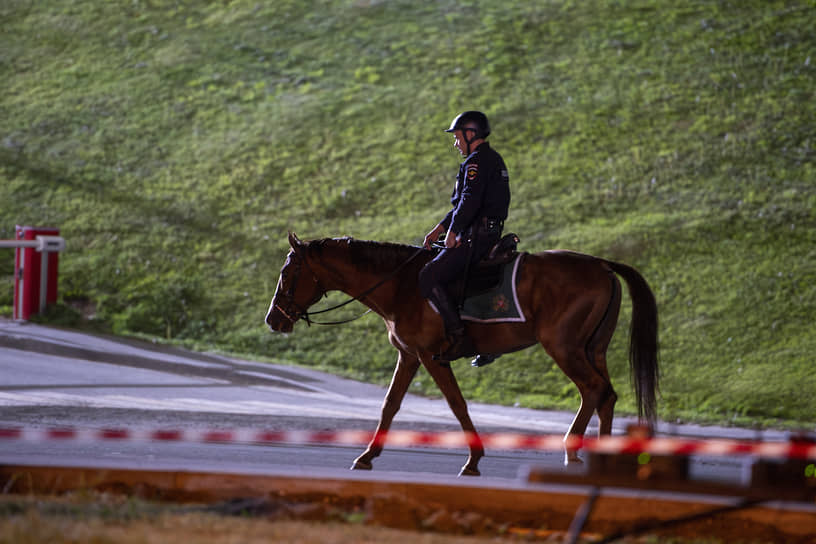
482 147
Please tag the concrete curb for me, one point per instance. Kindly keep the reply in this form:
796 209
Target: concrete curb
406 502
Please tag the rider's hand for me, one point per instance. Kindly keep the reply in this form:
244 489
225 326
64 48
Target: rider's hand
433 236
452 240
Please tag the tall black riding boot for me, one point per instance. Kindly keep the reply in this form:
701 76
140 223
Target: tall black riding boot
460 343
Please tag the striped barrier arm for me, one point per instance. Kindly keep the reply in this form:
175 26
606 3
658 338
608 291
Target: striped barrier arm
616 444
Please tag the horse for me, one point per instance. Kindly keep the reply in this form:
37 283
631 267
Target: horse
570 301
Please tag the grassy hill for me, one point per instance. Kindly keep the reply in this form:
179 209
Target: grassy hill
175 143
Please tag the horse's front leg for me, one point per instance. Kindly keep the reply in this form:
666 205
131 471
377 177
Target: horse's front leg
404 373
446 381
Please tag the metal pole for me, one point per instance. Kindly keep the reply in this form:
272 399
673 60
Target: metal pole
18 309
582 516
43 279
19 243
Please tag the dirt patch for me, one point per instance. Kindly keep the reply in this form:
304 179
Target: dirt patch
107 517
111 518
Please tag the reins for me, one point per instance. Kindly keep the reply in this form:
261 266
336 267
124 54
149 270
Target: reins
306 314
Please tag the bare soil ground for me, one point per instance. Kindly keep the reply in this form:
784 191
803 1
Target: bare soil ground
104 517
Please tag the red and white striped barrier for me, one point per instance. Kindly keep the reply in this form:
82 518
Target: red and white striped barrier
794 449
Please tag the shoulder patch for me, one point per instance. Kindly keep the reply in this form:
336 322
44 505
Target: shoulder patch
472 171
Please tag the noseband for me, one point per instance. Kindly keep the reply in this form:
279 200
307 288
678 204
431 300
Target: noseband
294 311
287 306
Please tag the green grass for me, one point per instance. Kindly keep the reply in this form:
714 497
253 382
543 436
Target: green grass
175 143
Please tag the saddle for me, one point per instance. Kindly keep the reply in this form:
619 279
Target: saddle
487 273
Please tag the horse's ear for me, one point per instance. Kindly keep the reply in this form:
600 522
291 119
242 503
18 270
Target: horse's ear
294 241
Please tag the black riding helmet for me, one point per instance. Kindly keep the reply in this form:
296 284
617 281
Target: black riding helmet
476 118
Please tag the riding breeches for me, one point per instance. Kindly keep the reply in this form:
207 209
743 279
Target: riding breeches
451 263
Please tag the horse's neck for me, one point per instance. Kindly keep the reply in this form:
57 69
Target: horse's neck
359 277
351 279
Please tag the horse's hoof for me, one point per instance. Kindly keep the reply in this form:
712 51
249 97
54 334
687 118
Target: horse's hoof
572 459
361 465
469 472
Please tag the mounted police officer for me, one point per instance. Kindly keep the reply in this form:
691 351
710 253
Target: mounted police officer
480 201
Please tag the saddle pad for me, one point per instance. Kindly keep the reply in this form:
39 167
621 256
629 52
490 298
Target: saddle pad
499 304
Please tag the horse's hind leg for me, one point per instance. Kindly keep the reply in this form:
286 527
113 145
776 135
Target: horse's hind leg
584 362
579 364
407 366
596 355
606 405
596 352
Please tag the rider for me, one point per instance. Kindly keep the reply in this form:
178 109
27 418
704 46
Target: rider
480 201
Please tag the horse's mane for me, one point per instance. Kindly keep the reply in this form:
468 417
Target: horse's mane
367 254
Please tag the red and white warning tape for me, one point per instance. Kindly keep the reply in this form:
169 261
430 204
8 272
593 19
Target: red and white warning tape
501 441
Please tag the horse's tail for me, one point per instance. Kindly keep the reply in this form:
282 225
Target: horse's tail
642 341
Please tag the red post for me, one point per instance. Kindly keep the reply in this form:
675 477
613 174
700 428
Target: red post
33 290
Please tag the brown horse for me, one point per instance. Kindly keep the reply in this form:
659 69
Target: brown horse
570 301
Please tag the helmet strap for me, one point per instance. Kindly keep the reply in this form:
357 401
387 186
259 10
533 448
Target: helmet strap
469 141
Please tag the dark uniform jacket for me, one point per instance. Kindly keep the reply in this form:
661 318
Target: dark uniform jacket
480 201
482 191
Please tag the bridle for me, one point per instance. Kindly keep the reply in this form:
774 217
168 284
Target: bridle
294 311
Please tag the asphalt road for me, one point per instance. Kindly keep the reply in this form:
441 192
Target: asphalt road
52 377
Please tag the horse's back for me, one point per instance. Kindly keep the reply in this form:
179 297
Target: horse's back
560 278
557 262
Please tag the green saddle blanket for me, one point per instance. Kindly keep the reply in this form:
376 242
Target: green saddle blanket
499 304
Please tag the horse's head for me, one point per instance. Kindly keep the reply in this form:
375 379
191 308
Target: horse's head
298 288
